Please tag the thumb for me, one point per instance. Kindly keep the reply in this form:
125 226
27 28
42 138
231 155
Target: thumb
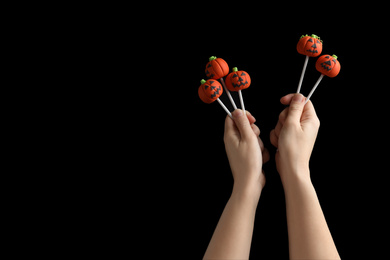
242 123
296 108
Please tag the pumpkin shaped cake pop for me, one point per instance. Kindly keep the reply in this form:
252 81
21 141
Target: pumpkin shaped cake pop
216 68
238 80
310 45
328 65
210 90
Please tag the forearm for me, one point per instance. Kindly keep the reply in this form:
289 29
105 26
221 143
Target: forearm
308 232
233 235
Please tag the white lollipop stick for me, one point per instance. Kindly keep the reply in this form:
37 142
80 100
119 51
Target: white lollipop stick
224 107
302 74
241 101
314 88
228 93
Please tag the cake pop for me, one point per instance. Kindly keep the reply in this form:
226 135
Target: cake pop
238 80
217 68
311 46
211 90
328 66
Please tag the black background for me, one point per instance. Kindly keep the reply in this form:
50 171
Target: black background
142 159
195 182
167 155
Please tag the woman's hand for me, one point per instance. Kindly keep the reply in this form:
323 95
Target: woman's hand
294 136
246 152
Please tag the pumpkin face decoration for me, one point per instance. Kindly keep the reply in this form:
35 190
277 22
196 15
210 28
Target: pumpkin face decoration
238 80
216 68
310 45
210 90
328 65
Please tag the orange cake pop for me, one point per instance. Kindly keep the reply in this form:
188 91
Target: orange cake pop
328 66
311 46
217 68
238 80
211 90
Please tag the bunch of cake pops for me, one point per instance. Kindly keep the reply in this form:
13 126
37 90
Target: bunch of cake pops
327 65
211 89
217 68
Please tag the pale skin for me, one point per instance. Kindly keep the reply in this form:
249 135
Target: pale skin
245 150
294 137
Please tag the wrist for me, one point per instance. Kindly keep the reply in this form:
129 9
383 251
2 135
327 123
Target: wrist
293 177
247 193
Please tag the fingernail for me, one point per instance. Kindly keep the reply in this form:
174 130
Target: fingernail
298 98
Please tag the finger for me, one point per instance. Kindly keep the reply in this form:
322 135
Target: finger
286 100
261 144
263 180
295 110
281 121
230 128
266 155
251 118
283 116
309 111
255 129
242 124
273 138
309 116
